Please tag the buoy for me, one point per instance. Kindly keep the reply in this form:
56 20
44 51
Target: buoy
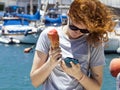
115 67
27 50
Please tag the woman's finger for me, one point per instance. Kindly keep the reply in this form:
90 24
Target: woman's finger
64 66
72 64
75 65
54 51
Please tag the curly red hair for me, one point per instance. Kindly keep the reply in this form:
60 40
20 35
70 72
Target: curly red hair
96 16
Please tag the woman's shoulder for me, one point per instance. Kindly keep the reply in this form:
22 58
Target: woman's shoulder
98 48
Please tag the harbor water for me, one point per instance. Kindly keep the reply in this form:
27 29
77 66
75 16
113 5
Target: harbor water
15 66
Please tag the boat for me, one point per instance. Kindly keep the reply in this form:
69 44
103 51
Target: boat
113 44
9 40
19 29
54 18
17 26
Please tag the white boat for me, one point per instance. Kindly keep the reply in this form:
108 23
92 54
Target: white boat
113 45
19 29
24 34
9 40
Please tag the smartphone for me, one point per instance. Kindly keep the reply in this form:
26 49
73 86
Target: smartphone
69 59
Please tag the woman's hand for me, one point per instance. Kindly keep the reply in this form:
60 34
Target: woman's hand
55 56
74 71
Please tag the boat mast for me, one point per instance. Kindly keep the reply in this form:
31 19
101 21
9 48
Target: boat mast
31 7
39 4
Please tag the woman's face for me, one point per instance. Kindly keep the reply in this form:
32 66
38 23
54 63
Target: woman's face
76 30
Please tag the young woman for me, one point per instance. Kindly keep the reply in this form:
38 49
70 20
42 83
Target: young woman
82 39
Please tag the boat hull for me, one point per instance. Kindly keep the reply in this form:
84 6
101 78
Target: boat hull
113 44
30 38
23 33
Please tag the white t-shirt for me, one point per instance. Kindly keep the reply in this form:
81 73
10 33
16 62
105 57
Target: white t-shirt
88 56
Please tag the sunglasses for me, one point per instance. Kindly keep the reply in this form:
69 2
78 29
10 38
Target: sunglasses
74 28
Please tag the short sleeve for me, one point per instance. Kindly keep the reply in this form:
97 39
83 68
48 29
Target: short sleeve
97 56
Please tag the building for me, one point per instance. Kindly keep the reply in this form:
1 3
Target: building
113 3
8 2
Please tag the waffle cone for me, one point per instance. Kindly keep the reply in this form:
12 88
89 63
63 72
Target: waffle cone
54 38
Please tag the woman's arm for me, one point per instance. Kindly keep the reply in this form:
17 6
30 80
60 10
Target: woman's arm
95 82
40 70
88 83
42 67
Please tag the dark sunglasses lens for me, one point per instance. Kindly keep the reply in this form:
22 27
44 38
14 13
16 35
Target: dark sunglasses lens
72 27
84 31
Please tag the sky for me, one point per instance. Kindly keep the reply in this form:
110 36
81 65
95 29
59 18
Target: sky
114 3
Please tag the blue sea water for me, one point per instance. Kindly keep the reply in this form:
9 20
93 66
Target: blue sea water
15 66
